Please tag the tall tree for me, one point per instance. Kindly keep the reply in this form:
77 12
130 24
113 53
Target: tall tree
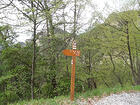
32 15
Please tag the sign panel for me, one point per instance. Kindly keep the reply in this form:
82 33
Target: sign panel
68 52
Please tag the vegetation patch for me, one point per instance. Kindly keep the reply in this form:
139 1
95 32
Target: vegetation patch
91 94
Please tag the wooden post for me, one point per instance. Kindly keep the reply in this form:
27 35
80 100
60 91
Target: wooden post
72 78
72 53
73 73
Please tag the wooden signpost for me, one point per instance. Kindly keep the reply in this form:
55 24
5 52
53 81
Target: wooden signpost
73 53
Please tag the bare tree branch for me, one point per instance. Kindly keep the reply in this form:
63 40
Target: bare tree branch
21 11
135 25
7 5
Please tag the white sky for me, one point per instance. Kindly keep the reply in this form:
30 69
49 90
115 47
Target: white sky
100 6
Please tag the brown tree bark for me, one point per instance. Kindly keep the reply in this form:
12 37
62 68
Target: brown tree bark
34 52
114 69
137 62
130 56
91 81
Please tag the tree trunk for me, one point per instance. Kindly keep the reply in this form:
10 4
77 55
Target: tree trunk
106 83
91 82
67 67
75 9
137 62
50 27
138 78
114 69
130 57
34 53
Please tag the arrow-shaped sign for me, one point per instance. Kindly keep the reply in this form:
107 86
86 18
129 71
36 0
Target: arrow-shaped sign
69 52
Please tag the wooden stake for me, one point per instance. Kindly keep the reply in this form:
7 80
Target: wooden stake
72 53
72 78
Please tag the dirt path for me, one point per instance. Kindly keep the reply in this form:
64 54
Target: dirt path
114 99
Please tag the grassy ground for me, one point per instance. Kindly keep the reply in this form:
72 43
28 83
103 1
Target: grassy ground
64 100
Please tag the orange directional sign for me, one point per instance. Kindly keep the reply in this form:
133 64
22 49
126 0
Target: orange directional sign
68 52
73 53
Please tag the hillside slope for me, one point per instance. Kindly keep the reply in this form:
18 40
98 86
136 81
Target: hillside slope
97 97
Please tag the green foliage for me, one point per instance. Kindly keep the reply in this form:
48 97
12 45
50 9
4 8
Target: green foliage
64 100
103 67
4 78
108 91
15 74
63 86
